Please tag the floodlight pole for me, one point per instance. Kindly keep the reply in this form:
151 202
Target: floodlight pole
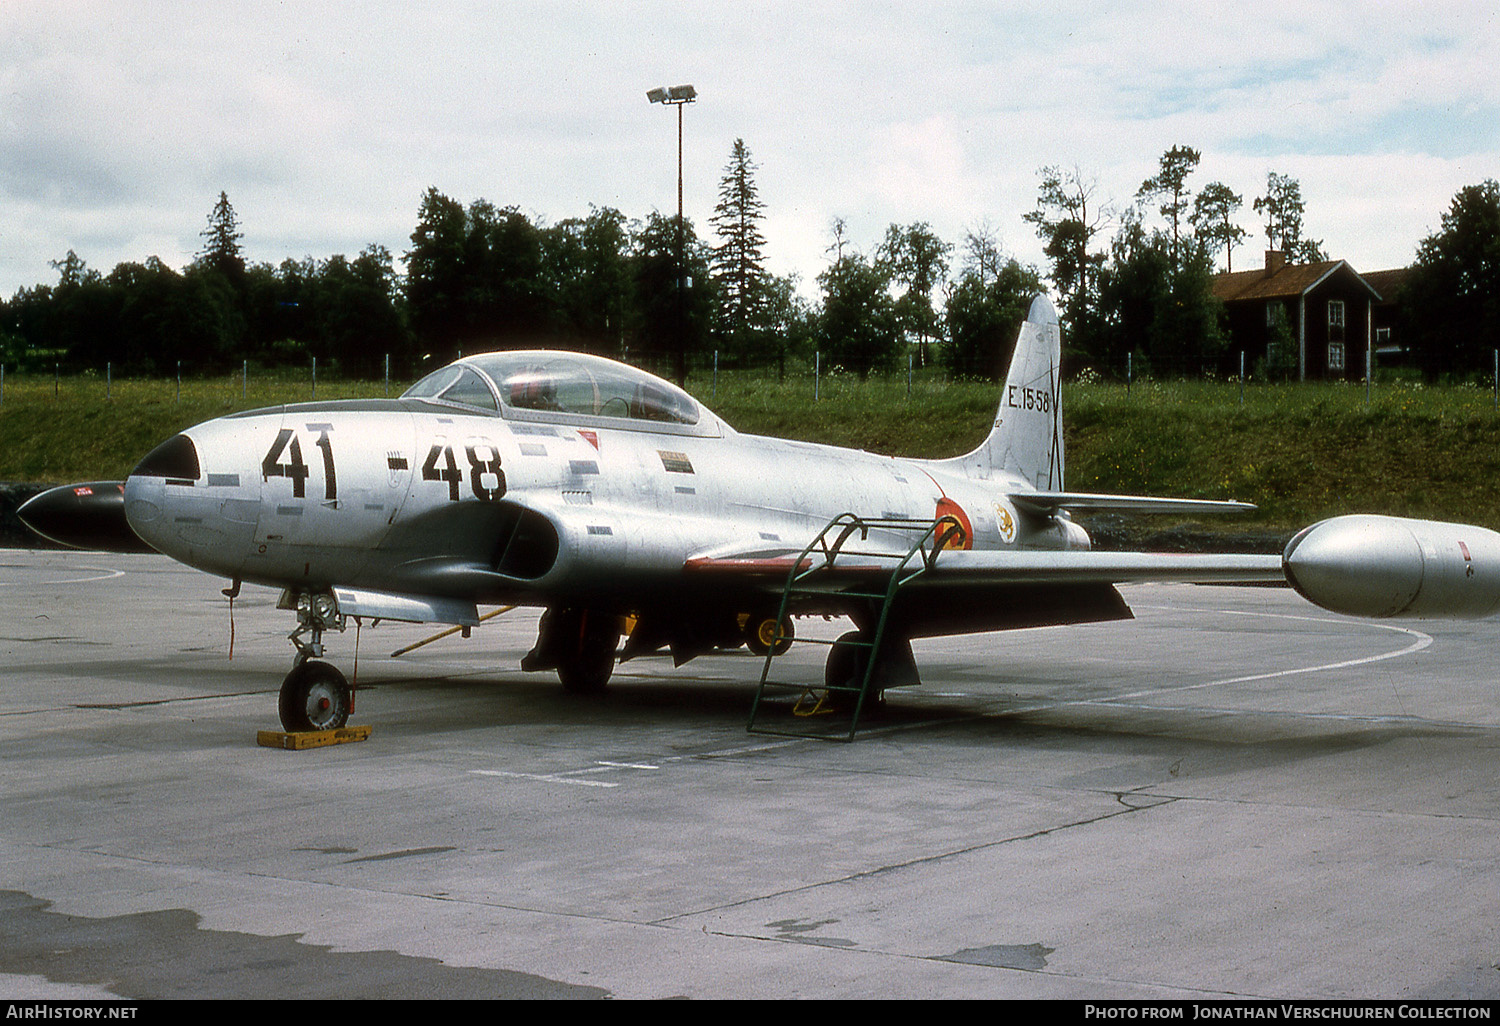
678 96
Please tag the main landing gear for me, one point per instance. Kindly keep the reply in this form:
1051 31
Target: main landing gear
315 695
579 644
763 634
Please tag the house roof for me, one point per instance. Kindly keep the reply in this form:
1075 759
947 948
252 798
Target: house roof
1285 282
1387 283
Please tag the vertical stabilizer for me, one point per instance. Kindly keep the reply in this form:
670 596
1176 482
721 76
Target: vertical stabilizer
1026 440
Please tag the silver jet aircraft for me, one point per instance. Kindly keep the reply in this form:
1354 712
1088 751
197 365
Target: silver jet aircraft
608 496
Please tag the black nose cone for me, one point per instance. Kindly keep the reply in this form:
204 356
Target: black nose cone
83 516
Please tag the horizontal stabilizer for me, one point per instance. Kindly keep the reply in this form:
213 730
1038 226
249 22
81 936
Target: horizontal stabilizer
1051 502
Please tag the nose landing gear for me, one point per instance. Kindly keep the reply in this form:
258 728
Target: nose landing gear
315 695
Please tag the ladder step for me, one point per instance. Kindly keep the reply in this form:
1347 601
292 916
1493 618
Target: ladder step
896 570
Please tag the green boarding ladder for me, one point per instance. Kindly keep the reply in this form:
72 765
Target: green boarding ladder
808 577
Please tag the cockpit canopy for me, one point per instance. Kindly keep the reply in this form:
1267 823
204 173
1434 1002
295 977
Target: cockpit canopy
565 387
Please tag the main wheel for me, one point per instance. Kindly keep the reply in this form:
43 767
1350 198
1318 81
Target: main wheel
845 669
587 658
314 696
761 633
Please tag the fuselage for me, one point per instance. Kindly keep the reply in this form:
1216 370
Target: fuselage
497 487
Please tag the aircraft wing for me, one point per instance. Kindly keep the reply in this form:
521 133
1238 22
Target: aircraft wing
1051 502
1003 566
959 568
966 591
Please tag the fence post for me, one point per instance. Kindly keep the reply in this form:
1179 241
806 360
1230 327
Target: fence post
315 378
388 375
1242 377
715 392
244 380
1129 370
817 373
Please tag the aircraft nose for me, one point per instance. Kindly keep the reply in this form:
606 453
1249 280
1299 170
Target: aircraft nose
146 500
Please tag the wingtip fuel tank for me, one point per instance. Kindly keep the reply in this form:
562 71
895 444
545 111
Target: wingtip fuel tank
1379 566
83 516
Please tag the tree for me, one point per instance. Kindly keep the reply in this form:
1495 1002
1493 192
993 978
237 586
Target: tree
791 322
148 305
673 301
1213 210
354 316
83 318
1282 207
984 313
857 329
474 277
587 279
503 276
1451 302
1067 221
435 273
981 249
221 250
916 258
1170 185
1158 306
839 229
737 262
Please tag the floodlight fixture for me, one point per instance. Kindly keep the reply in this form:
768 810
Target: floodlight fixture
674 94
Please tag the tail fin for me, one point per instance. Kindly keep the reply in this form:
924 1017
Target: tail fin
1026 440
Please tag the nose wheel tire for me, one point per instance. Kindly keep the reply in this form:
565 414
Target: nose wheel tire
314 696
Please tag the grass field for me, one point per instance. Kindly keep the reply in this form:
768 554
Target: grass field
1301 452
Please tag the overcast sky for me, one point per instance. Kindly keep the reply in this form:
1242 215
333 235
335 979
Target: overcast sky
325 122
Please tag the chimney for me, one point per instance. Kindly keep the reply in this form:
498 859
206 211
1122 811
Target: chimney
1275 261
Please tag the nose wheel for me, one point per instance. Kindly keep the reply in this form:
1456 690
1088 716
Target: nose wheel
314 696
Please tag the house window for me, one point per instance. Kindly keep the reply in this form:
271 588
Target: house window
1336 320
1382 336
1336 356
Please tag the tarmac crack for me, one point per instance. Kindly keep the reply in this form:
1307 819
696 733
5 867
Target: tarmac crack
924 860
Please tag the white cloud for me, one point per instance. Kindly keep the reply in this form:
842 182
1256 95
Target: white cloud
325 122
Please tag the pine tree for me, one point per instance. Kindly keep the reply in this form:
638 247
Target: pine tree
1282 207
737 266
1170 185
221 251
1213 210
